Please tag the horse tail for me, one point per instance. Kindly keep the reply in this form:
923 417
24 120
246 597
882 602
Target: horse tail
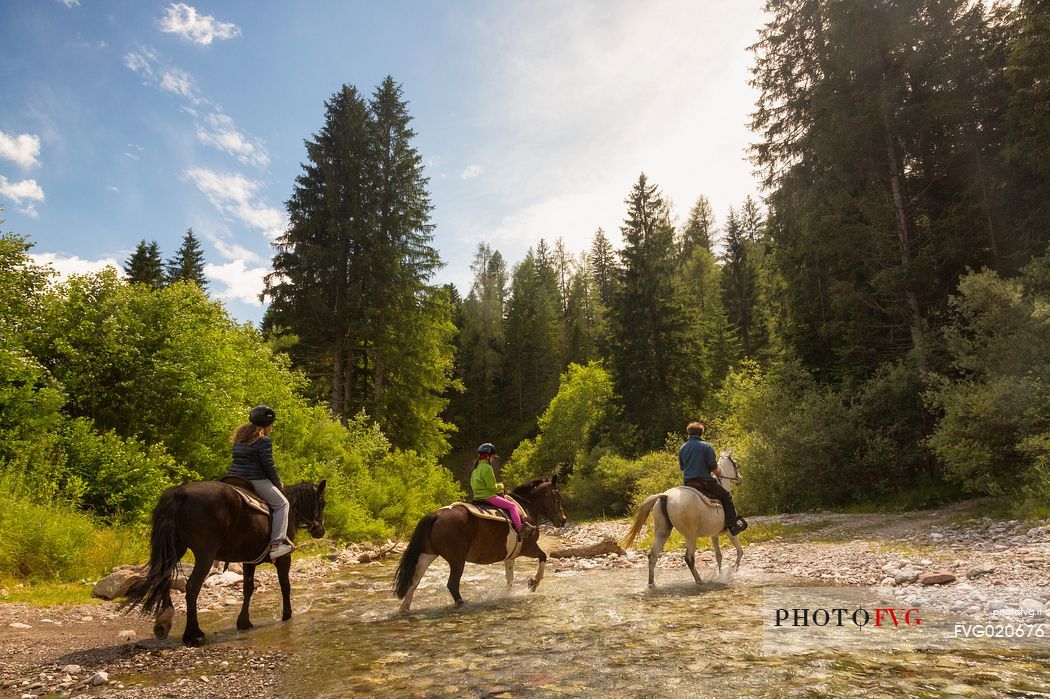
639 519
151 593
406 569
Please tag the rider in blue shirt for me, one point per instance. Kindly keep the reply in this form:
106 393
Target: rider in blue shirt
699 467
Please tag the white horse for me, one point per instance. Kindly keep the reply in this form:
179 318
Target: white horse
692 514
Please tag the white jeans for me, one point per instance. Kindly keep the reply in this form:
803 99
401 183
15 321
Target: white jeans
275 499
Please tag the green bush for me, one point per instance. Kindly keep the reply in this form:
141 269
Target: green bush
566 427
994 436
611 484
55 542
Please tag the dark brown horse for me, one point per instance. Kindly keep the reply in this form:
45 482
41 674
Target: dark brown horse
211 519
460 537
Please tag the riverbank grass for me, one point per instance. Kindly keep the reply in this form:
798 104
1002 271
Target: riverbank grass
47 594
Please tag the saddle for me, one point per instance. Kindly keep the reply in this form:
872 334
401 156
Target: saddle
246 490
485 510
710 502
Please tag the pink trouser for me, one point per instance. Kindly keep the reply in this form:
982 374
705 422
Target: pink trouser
510 507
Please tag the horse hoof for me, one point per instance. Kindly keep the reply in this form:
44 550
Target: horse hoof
194 640
160 631
286 617
245 626
459 603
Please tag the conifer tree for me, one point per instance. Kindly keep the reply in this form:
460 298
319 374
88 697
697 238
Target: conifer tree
603 265
653 358
144 266
188 263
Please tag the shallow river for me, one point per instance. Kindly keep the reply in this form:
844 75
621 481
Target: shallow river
596 632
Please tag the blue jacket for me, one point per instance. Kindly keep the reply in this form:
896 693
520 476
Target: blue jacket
254 461
697 459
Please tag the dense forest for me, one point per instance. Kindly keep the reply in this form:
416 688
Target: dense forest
872 331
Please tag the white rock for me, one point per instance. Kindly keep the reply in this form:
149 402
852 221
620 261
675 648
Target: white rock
19 625
227 578
936 536
926 562
888 582
1031 605
99 678
959 606
127 635
72 669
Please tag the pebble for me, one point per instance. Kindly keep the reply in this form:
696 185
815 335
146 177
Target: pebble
127 635
19 625
99 678
72 669
1031 605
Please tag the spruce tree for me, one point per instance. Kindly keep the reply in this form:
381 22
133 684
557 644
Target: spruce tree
603 265
352 273
188 263
144 265
653 358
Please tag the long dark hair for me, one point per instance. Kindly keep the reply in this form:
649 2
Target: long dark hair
246 434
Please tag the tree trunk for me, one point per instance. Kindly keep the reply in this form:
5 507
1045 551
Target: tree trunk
895 169
336 397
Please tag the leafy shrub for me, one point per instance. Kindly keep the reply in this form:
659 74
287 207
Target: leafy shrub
566 426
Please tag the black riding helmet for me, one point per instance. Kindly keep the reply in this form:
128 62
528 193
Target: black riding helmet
262 416
487 448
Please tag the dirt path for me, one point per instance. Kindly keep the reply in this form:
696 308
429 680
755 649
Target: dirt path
1001 570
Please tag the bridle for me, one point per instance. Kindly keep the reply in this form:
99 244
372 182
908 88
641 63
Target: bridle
315 522
526 502
736 480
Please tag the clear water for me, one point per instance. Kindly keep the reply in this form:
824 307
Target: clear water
588 632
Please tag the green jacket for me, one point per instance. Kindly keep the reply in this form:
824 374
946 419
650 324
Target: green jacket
483 481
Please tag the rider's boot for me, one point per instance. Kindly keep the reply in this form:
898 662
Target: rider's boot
738 526
526 531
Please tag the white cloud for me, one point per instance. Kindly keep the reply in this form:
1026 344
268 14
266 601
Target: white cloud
22 149
219 130
228 250
234 195
114 188
67 265
183 20
471 172
131 156
241 282
71 3
179 82
22 191
158 73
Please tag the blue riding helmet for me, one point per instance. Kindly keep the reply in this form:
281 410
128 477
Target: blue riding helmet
487 448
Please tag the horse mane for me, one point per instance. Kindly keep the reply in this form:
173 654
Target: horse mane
527 487
300 496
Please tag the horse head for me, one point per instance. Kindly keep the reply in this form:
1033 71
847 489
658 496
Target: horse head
730 470
543 496
308 501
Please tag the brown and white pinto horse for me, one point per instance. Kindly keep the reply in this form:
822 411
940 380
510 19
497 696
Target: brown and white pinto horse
460 537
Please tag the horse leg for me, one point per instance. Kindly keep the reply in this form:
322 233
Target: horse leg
453 579
166 615
193 636
284 565
735 538
718 552
425 559
508 566
535 582
661 533
243 622
690 558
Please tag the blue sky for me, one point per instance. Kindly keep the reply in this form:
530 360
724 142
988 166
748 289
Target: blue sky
128 120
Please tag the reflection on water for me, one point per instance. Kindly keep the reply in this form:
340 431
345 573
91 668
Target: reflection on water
594 630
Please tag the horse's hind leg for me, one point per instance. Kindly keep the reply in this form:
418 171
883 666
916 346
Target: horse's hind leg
718 552
425 559
661 533
166 615
284 566
193 636
243 622
690 558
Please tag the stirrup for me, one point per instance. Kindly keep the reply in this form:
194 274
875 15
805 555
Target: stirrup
525 531
282 549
